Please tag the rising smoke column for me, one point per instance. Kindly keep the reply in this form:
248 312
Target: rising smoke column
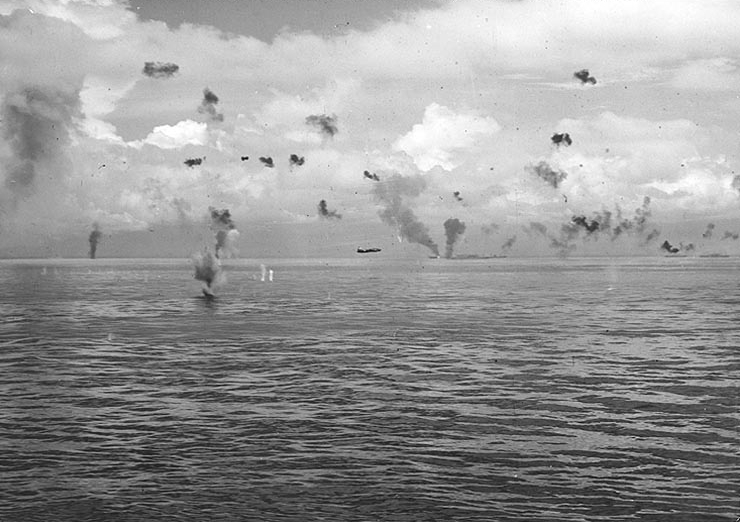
584 76
396 213
226 232
544 171
708 232
325 213
208 105
454 228
326 125
508 243
160 69
93 239
35 122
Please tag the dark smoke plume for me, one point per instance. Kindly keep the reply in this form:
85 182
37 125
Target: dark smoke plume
267 162
508 243
590 226
731 235
160 69
585 77
669 248
544 171
295 160
36 123
560 139
93 239
245 158
454 228
372 176
226 232
192 162
457 195
489 229
736 182
709 231
536 228
327 125
398 214
324 212
208 105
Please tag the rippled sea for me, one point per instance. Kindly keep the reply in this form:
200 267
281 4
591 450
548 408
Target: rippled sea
363 389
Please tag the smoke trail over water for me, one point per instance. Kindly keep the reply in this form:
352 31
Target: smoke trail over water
396 213
93 239
454 228
36 123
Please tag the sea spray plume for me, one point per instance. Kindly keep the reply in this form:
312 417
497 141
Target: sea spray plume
267 162
295 160
226 232
324 212
454 228
93 239
36 123
192 162
208 105
561 139
372 176
544 171
396 213
730 235
584 76
160 69
669 248
508 243
708 232
326 125
208 269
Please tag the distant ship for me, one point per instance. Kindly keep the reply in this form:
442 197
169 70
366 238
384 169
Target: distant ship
367 250
714 255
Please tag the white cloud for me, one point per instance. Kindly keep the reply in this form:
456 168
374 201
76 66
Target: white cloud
442 134
186 132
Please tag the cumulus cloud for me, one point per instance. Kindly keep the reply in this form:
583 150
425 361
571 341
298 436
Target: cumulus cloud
186 132
442 134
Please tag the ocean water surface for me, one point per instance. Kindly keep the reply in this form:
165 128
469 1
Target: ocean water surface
368 389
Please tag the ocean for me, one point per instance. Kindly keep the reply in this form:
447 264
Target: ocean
371 390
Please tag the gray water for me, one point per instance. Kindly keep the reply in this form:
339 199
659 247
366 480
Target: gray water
505 389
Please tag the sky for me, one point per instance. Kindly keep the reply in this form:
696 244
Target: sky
400 116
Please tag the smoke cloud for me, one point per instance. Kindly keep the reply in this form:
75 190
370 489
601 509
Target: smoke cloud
326 125
489 228
245 158
192 162
544 171
396 212
267 161
730 235
536 228
93 239
208 105
295 160
709 231
454 228
160 69
457 195
226 232
208 269
372 176
325 213
736 183
669 248
36 123
584 76
560 139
